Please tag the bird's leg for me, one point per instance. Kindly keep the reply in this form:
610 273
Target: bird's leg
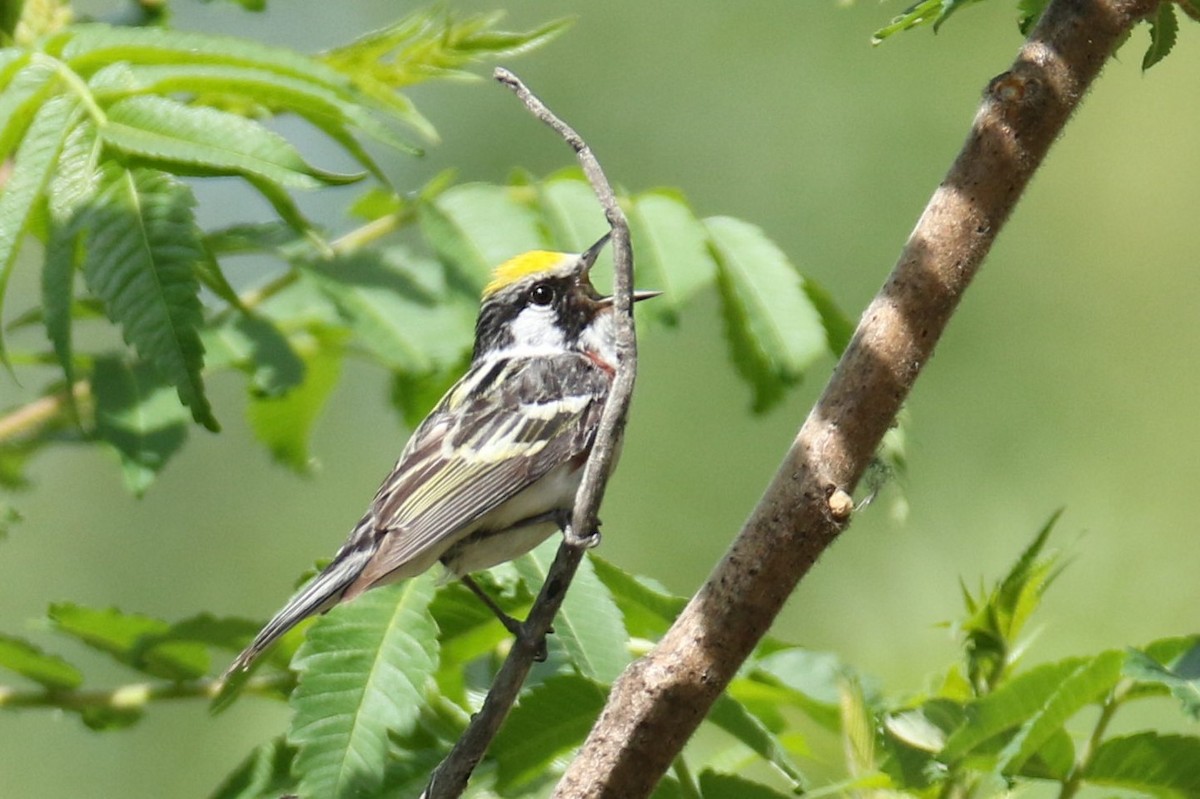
512 625
590 540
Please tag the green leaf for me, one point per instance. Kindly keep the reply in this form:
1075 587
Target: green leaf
552 719
414 395
571 211
1089 683
671 247
397 311
919 13
264 774
91 47
363 671
469 630
1182 677
813 676
231 85
588 625
73 184
142 247
253 343
1014 703
734 718
648 610
1166 766
1028 14
476 226
27 88
50 671
137 641
730 786
774 332
1163 29
285 422
33 168
139 416
209 142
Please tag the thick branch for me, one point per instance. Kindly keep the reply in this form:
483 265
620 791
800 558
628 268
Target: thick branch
659 701
450 778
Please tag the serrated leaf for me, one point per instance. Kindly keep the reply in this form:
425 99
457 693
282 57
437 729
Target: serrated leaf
1166 766
671 247
1090 682
552 718
919 13
476 226
1164 27
142 246
1182 677
209 142
736 719
90 47
33 168
285 422
729 786
51 671
774 331
394 313
469 630
139 416
363 672
233 85
647 610
264 774
26 88
588 625
1011 705
137 641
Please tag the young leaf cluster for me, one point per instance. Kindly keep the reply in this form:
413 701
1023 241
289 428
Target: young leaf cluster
1163 23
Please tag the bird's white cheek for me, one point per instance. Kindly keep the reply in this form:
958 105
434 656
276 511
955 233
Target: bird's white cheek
534 328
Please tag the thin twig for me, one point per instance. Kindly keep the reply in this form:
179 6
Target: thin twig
451 776
658 702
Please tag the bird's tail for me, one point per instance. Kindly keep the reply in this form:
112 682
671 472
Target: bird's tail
317 596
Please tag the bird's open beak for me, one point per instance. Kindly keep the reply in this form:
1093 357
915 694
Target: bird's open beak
592 253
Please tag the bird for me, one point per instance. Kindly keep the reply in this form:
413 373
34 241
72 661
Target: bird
492 471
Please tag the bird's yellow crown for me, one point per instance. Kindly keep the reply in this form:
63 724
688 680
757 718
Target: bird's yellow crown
523 265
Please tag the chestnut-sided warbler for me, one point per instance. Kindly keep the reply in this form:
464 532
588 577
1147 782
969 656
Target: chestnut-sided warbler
493 469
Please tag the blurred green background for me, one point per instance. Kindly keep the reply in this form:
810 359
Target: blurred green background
1068 377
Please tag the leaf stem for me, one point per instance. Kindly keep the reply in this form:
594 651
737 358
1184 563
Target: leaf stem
132 696
1074 780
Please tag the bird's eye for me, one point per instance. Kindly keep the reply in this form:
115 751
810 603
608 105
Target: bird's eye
541 294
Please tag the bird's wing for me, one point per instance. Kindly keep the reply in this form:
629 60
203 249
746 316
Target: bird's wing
505 425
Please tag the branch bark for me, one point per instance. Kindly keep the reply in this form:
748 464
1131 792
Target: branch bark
451 776
660 700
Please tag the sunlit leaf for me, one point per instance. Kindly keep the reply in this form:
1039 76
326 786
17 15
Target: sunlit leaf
138 641
33 168
647 610
363 671
671 249
51 671
1180 674
773 329
736 719
588 625
730 786
1166 766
